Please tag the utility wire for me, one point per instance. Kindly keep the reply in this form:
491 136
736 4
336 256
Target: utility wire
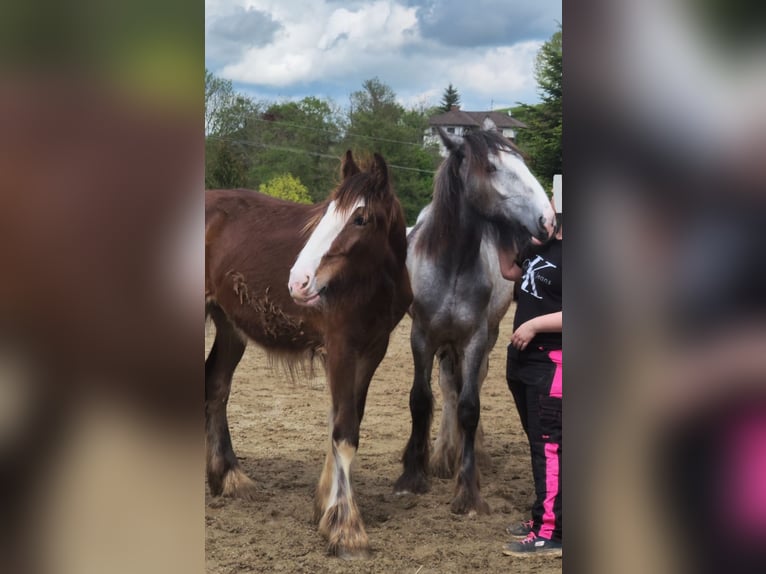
349 134
306 152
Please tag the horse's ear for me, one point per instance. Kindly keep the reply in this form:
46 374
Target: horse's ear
348 165
379 169
451 142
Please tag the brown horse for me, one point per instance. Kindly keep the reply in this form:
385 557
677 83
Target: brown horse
340 301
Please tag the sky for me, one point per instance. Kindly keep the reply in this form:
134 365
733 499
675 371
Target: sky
278 50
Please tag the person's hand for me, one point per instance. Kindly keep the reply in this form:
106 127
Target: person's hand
523 335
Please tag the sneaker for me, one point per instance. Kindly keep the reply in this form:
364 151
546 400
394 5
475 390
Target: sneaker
532 546
520 529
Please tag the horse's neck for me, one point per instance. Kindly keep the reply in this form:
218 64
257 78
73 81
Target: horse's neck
462 243
471 231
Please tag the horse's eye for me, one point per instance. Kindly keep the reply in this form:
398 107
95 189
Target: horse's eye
491 168
360 221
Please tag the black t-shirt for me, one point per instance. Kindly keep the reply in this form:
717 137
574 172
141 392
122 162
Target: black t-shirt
540 290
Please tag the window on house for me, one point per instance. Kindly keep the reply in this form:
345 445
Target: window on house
450 130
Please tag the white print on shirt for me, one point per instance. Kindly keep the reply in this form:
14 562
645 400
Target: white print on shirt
528 283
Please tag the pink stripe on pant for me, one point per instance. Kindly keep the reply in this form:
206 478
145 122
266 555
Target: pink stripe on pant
552 469
556 357
551 490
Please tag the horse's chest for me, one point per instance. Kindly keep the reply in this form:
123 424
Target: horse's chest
456 305
460 291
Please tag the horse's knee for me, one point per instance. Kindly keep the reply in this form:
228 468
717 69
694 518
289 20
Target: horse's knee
468 412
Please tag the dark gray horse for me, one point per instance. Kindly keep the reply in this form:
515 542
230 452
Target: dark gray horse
486 203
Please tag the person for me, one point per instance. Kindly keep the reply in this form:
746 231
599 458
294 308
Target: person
534 376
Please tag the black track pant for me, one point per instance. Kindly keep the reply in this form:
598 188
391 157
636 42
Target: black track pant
534 377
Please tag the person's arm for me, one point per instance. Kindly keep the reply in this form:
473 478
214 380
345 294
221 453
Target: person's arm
511 271
550 323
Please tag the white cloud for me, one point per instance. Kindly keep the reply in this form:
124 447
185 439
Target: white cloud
318 46
326 44
504 71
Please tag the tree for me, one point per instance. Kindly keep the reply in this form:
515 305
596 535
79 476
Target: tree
297 138
287 187
542 138
260 144
377 123
449 98
226 112
548 69
227 116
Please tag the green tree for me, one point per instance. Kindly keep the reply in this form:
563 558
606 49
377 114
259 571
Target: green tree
542 138
548 69
378 123
287 187
227 116
226 112
299 138
450 98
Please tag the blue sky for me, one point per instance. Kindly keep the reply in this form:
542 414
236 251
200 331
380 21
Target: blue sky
288 49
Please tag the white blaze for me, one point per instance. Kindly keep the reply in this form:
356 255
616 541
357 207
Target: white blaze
331 224
528 186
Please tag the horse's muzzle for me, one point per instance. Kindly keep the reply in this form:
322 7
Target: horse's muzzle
304 291
545 228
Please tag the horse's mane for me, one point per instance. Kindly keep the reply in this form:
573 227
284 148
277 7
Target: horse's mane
372 185
441 230
368 184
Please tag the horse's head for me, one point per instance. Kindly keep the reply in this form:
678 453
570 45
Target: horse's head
497 182
359 238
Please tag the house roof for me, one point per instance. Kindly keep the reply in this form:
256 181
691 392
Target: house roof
458 117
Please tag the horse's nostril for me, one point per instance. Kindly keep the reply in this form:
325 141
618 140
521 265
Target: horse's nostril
306 282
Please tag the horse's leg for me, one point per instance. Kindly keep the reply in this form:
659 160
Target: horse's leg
340 520
447 445
324 486
365 368
482 456
467 498
224 474
414 478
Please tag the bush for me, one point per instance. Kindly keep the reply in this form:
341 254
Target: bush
287 187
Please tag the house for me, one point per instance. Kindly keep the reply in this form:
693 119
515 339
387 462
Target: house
459 122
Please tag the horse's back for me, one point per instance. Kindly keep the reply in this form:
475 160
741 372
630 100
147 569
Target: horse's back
251 241
254 232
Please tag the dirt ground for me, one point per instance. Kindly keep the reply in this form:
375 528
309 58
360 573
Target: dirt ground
279 429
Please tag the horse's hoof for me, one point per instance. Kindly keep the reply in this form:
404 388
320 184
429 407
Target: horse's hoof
441 468
352 553
411 484
236 484
470 505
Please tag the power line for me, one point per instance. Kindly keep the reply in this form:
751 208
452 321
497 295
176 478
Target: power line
349 134
306 152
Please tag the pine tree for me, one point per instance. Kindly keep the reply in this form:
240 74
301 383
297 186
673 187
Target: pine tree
450 98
